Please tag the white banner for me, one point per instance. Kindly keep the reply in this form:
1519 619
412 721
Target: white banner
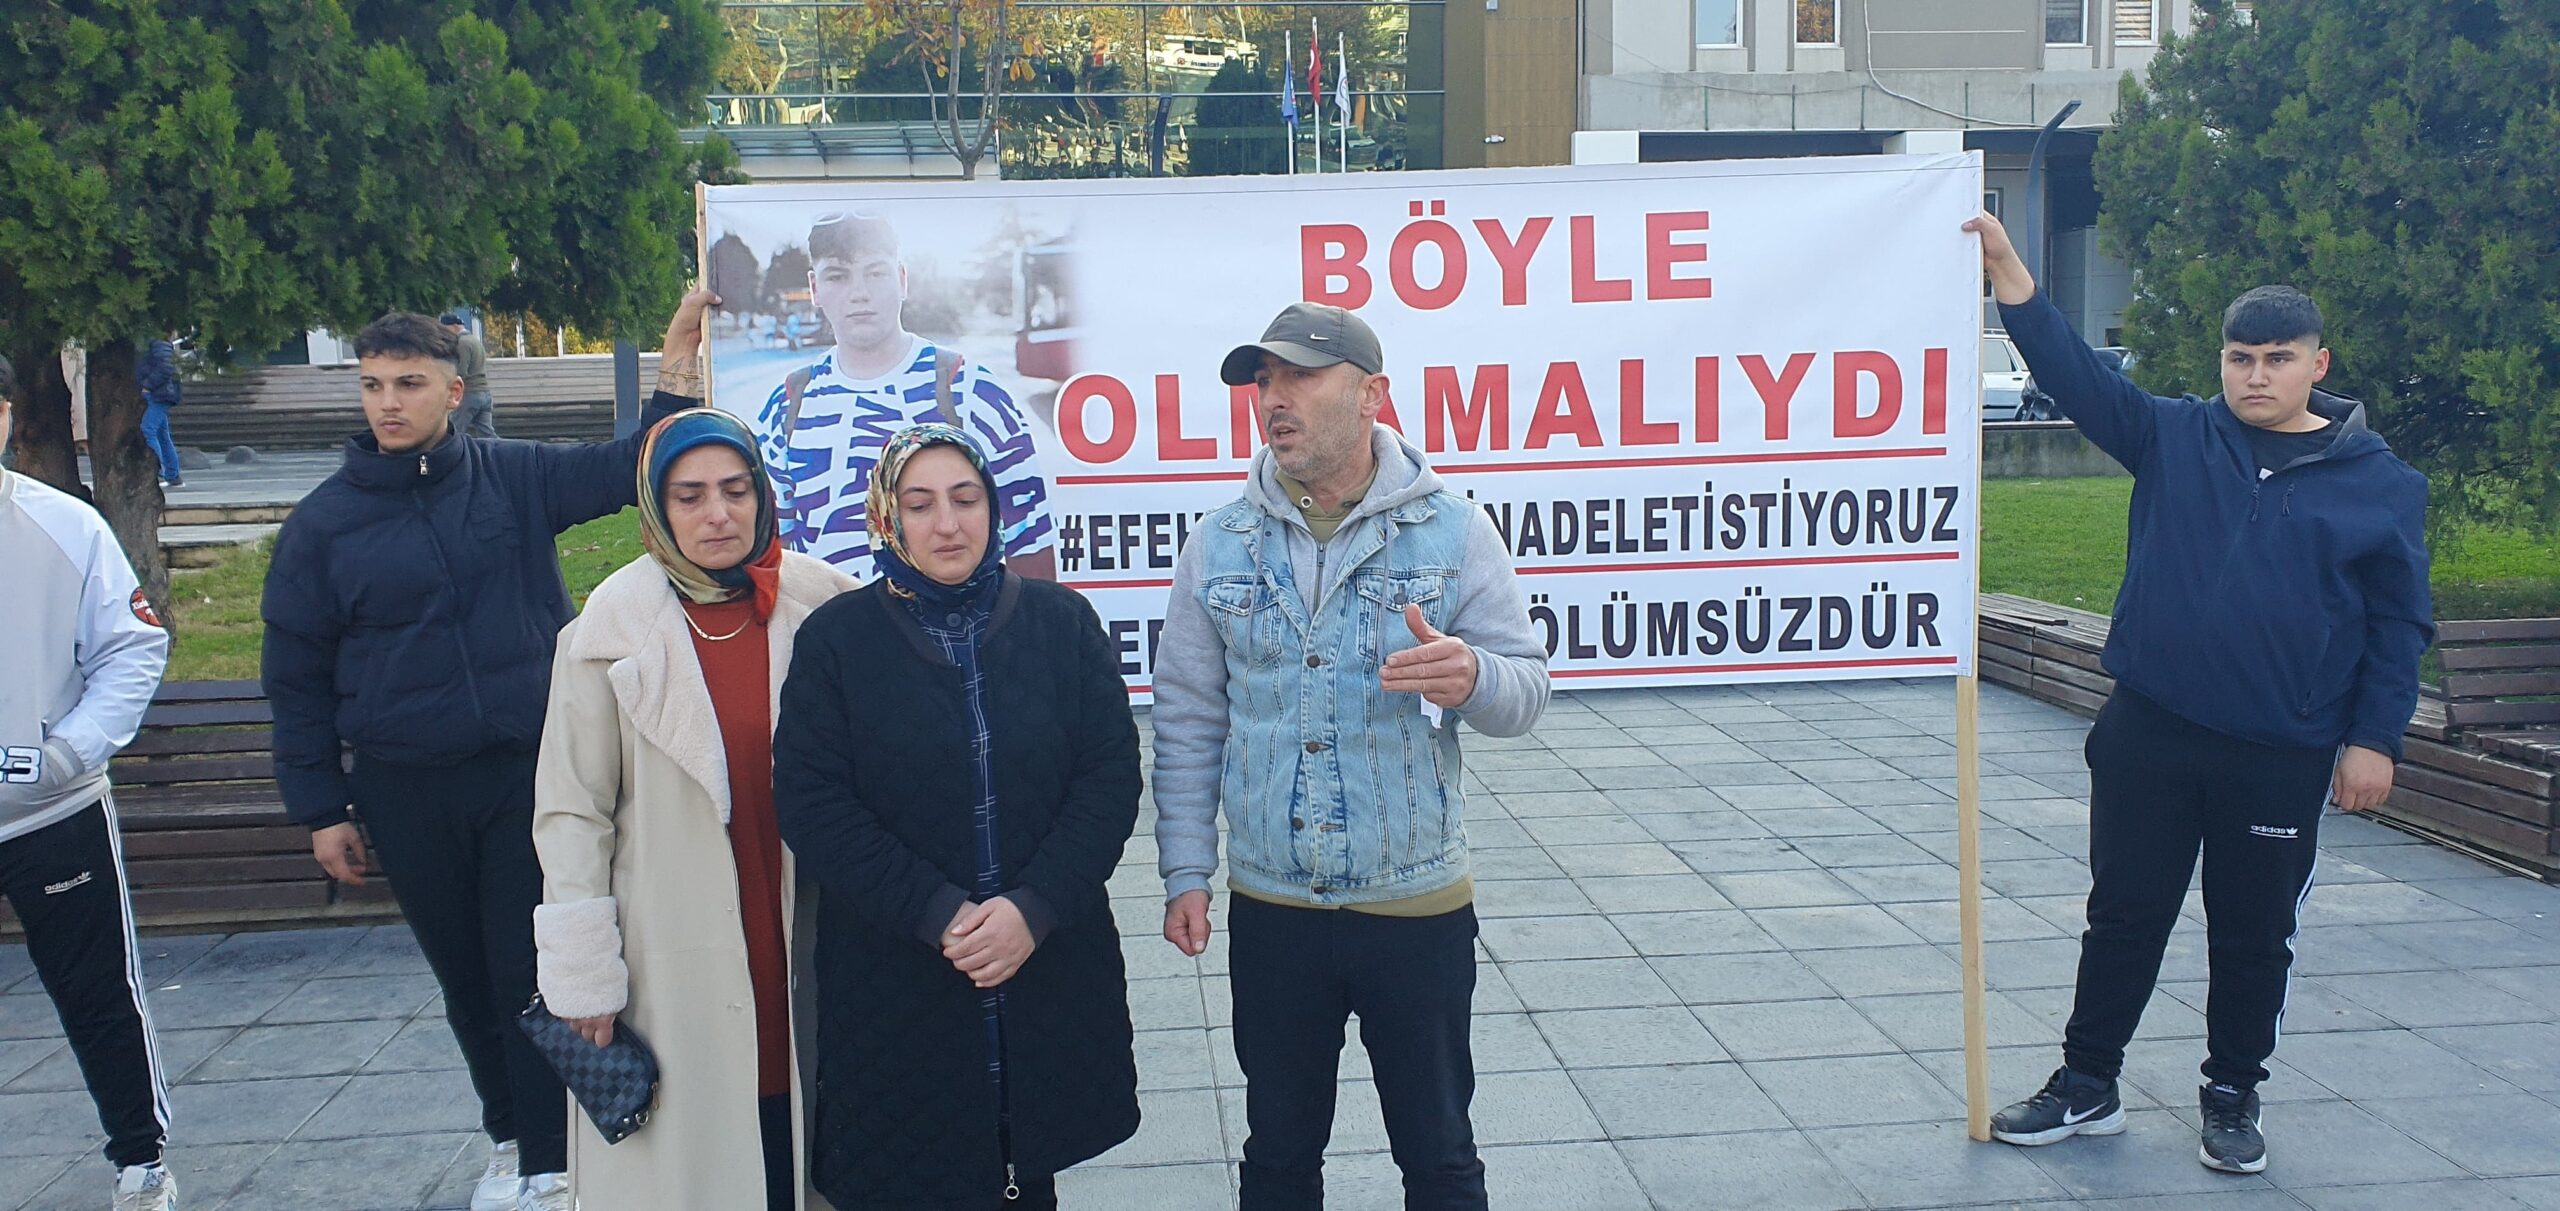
1726 414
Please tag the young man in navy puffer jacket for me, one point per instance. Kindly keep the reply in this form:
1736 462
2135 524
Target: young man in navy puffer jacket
2265 649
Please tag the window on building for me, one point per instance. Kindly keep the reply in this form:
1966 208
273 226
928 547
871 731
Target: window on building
1818 22
1719 22
2137 20
2066 22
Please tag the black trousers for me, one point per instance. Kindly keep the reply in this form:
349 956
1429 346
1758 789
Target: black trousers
66 881
2160 788
457 841
1297 974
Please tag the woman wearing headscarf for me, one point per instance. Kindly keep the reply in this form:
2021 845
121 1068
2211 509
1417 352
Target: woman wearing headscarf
958 768
667 892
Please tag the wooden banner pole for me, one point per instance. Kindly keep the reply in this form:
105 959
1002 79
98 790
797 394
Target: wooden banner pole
1977 1053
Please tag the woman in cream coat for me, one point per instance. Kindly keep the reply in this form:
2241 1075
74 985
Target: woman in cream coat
667 896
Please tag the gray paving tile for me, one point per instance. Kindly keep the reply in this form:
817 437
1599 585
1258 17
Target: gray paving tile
2473 944
1630 894
1683 1099
1174 1059
2037 877
1904 793
2493 1135
2540 985
1833 926
1511 939
1587 984
1739 979
307 1049
2327 950
1524 781
296 954
1725 825
389 950
2164 1017
1764 1170
2526 1054
1783 889
353 998
2457 1195
1786 1030
1557 803
1531 1108
1929 1021
1932 1163
1192 1185
421 1045
23 1178
2310 1006
1662 800
1510 1042
2341 1144
2534 1193
48 1124
2365 1065
1711 931
1614 777
1841 854
397 1103
2379 904
388 1173
180 1052
1868 971
1490 865
2003 920
1552 831
1846 1091
2169 1072
1925 880
1621 1038
1727 856
1174 1126
1597 861
2498 894
1530 898
239 1112
2433 998
2030 963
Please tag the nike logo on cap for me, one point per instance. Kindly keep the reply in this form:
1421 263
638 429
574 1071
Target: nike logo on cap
1313 336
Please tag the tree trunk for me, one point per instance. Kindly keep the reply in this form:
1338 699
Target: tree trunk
128 490
42 440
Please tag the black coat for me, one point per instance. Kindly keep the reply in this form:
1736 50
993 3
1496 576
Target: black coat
873 790
413 601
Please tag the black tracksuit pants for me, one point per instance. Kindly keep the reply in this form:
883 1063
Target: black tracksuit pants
66 882
457 841
1298 974
2160 788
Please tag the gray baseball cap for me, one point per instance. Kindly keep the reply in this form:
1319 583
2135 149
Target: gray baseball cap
1311 335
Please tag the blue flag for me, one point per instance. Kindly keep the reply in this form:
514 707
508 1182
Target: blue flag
1288 88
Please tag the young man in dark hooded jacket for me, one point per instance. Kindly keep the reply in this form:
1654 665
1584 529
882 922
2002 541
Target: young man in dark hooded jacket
411 608
2265 651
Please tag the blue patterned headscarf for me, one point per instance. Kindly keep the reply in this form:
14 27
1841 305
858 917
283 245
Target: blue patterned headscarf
888 529
672 439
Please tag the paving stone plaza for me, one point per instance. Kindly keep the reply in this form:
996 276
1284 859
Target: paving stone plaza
1718 970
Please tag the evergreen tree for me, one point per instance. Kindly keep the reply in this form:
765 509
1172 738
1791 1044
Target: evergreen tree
2400 161
245 170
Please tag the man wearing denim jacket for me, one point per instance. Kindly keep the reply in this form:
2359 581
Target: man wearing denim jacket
1326 634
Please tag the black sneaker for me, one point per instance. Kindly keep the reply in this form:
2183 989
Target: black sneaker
2231 1139
2069 1104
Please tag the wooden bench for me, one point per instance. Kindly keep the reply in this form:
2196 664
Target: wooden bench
2484 752
311 407
206 840
2480 760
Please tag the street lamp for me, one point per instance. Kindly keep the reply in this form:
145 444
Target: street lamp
2034 248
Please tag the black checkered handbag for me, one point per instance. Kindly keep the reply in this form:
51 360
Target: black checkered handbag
616 1085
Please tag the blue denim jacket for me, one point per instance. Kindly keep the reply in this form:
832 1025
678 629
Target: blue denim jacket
1337 791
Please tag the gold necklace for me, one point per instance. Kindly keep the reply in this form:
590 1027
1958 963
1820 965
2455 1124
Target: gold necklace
708 637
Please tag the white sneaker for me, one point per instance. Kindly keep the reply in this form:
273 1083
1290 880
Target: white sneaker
146 1188
499 1183
546 1192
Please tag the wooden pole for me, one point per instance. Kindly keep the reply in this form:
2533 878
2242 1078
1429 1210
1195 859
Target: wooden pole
1977 1052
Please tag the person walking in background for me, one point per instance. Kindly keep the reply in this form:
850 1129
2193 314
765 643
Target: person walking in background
157 374
655 787
84 657
1326 635
479 415
411 609
956 764
2265 655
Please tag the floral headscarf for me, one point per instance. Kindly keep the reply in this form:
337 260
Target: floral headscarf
888 532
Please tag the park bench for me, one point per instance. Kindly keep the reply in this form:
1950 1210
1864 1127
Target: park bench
315 407
2481 758
206 840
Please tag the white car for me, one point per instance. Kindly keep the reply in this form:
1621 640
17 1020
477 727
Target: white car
2004 378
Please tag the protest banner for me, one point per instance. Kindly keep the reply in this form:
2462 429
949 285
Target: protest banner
1726 415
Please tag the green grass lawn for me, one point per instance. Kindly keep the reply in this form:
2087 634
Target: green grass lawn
2057 540
2062 540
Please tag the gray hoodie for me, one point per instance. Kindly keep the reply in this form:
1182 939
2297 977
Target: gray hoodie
1190 675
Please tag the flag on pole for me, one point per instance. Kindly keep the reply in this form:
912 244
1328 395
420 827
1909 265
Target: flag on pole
1341 79
1315 61
1289 98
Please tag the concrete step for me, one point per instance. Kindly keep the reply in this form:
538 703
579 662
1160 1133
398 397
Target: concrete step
227 514
204 546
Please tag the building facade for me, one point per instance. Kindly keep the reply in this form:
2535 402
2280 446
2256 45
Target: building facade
1723 79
